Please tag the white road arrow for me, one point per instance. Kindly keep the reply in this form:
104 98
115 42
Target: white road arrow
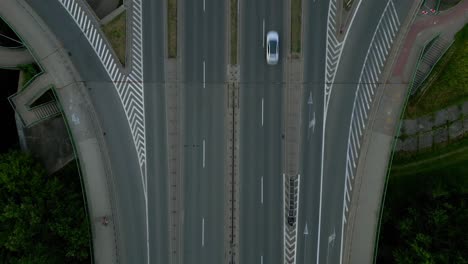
310 102
331 243
312 123
306 233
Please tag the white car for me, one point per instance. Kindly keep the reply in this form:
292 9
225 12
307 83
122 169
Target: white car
272 47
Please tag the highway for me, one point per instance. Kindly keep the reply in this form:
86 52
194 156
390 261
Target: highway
260 154
328 132
154 39
203 56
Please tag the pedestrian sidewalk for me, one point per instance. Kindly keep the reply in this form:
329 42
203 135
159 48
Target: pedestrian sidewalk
12 57
83 126
361 234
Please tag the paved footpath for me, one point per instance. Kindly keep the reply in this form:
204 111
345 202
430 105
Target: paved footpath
85 130
378 140
12 57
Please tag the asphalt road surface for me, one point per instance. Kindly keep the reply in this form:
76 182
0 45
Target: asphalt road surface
203 56
260 157
203 103
314 44
154 39
338 121
128 189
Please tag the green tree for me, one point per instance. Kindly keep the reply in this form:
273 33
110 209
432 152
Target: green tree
433 230
41 216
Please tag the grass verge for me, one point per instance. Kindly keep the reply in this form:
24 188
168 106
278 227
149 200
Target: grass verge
427 160
233 37
172 28
446 85
29 72
296 25
115 32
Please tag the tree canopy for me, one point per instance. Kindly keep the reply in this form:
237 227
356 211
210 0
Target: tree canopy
42 218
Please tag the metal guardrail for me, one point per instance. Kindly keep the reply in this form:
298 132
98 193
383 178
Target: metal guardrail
440 46
412 89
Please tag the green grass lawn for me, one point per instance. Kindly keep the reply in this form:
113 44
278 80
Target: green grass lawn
172 28
233 37
115 32
30 71
296 21
448 82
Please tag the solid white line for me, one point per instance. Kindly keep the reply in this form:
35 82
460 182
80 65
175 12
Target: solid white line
385 27
353 143
203 74
203 153
368 93
262 189
395 12
395 22
387 38
349 166
382 53
392 27
363 121
203 232
350 184
262 111
321 187
366 74
384 50
376 58
367 98
374 76
263 36
375 65
357 139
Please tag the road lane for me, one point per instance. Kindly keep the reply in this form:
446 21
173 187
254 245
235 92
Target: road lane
156 126
338 121
128 197
314 46
203 104
261 232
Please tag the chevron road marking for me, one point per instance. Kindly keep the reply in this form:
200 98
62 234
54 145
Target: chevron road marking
129 87
373 65
291 232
